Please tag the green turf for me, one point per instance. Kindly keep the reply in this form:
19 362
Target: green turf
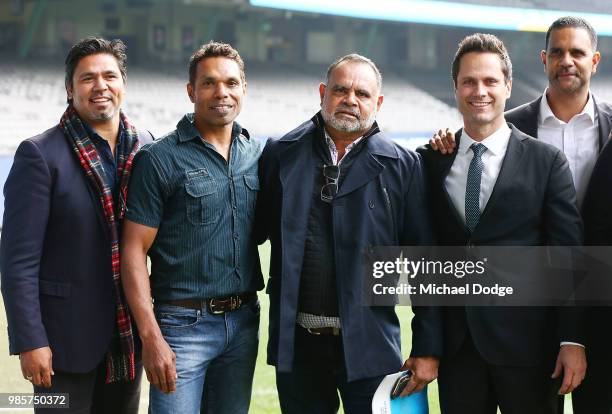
264 398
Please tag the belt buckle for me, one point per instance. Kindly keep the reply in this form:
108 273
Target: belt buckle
234 303
212 306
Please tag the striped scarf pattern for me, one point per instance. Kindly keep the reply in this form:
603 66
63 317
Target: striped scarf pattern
120 360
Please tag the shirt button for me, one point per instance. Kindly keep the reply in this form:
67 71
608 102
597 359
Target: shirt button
234 206
371 204
236 236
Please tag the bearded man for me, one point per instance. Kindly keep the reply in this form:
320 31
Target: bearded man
330 189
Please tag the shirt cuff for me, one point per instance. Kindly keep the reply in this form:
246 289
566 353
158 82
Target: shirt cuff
570 343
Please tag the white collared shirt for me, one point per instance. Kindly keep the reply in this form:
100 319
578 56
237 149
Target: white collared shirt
578 139
492 159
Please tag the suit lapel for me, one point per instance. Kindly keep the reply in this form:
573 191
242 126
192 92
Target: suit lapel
93 196
445 162
603 119
95 199
507 173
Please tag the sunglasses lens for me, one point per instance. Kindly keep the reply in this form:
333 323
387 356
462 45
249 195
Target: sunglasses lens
330 188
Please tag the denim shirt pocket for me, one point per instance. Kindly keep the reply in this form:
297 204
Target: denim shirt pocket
202 199
251 190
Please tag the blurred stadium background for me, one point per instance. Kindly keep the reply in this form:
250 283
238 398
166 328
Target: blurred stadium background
286 45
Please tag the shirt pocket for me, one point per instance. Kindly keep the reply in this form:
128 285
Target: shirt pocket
251 189
202 199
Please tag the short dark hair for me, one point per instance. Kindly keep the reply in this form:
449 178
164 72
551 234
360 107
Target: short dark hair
482 43
354 57
573 22
214 49
91 46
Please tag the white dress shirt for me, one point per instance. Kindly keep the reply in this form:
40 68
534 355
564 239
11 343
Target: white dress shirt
492 159
578 139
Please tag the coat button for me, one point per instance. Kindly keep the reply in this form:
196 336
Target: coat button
371 204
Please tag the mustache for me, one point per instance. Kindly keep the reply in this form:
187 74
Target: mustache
346 109
101 95
566 72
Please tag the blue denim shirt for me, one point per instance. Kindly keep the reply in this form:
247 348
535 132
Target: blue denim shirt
203 208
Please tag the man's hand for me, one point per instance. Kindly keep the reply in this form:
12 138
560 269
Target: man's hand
572 362
443 141
424 370
36 366
158 359
159 362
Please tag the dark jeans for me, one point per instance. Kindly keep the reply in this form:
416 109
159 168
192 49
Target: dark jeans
215 359
318 374
88 392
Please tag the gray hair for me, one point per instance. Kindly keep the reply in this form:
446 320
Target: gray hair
354 57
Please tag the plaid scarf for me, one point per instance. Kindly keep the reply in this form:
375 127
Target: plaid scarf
120 362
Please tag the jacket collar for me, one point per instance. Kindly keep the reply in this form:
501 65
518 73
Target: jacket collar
376 143
186 130
529 121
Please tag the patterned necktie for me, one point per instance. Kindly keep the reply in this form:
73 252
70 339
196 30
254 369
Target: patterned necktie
472 188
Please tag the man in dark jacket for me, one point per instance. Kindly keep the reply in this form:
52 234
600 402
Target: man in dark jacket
500 187
568 116
64 203
330 189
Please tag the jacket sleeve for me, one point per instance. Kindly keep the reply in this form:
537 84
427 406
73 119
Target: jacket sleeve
562 222
563 227
27 194
263 206
427 320
596 208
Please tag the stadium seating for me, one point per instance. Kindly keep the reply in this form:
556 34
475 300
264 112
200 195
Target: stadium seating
32 98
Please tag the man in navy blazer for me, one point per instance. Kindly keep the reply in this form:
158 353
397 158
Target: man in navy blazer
568 116
55 253
330 189
500 187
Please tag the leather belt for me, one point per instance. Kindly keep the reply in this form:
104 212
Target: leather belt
328 331
216 306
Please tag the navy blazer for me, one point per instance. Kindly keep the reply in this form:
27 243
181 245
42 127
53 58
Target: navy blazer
598 197
362 218
533 203
55 257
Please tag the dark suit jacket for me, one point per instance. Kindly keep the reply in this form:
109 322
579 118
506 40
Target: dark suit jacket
533 203
362 218
55 256
598 197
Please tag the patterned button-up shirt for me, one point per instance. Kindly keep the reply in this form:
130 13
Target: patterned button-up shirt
203 207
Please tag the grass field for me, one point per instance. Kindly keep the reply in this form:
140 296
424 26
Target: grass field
264 398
